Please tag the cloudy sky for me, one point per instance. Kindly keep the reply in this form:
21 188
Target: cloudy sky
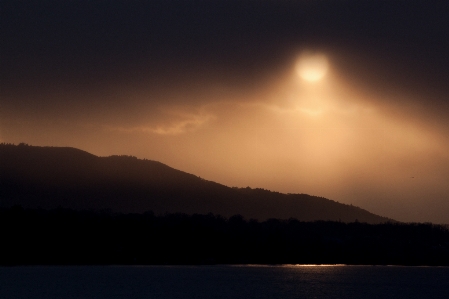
347 100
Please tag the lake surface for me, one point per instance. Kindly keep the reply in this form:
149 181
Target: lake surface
224 282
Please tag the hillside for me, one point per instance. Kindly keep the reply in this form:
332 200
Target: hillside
50 177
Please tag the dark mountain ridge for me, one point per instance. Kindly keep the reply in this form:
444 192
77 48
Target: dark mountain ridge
50 177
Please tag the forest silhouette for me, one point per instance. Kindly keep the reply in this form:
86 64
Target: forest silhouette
69 237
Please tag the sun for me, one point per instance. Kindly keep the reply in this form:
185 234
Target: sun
312 67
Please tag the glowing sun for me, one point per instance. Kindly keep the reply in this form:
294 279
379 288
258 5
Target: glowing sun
312 67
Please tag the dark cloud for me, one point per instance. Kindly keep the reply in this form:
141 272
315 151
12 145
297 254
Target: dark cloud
63 57
90 43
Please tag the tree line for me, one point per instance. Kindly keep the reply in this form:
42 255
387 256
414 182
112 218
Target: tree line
69 237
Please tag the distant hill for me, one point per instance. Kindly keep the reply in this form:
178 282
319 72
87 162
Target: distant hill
50 177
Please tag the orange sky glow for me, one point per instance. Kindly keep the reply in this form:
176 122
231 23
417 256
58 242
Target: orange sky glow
357 119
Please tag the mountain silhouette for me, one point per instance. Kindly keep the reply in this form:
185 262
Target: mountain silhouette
51 177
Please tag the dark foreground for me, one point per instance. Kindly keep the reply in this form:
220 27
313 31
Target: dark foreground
226 282
67 237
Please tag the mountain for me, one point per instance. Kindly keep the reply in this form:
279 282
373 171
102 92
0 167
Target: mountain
50 177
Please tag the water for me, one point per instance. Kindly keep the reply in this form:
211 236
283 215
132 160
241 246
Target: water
224 282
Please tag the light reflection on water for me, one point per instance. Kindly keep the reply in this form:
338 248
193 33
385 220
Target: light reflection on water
248 281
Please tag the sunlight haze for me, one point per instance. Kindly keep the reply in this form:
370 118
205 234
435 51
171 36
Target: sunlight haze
291 97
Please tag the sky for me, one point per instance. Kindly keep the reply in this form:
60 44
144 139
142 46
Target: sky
347 100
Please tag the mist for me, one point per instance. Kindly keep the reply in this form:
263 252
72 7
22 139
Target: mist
212 88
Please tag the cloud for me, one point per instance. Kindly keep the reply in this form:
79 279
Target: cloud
175 121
